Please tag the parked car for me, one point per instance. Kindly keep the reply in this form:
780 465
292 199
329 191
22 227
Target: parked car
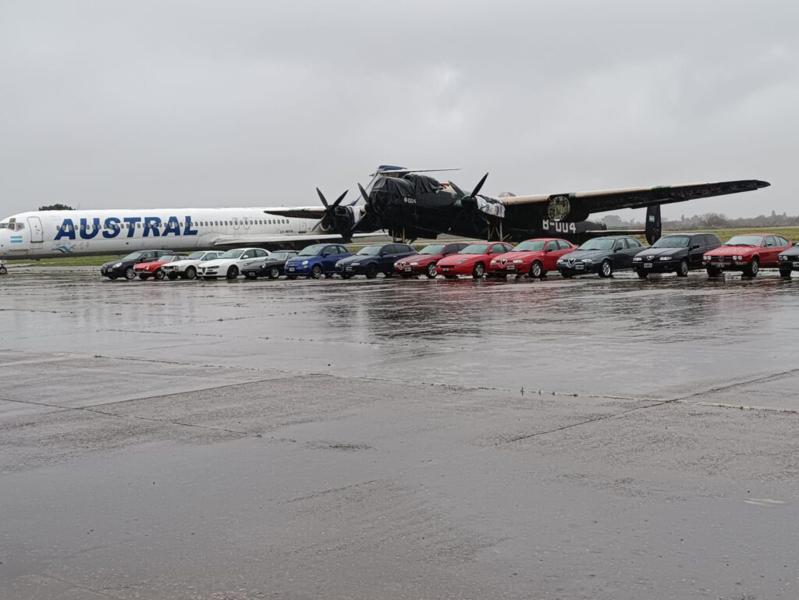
271 266
155 268
186 268
789 260
472 260
602 255
230 263
371 260
426 260
316 260
746 253
676 253
533 257
3 270
123 267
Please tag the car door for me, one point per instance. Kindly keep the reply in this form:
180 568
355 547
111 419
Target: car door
618 256
770 252
552 252
385 259
330 256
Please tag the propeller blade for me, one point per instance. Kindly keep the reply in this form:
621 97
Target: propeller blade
458 190
339 199
479 186
363 193
322 197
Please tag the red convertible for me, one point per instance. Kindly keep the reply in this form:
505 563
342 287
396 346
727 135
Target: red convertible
746 253
533 257
425 262
153 268
472 260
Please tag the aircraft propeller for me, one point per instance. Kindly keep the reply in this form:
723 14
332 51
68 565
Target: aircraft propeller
339 221
473 196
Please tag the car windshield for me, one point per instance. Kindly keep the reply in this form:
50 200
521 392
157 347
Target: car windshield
673 241
529 246
369 251
432 249
744 240
232 253
196 255
311 250
133 256
598 244
475 249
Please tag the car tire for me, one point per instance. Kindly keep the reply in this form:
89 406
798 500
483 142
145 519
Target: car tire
713 272
537 270
159 275
431 271
753 268
642 274
172 276
190 273
785 272
232 272
371 271
606 269
682 269
479 271
316 272
130 274
274 273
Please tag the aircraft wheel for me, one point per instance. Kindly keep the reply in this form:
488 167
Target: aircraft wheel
130 274
752 269
232 272
274 273
605 269
431 271
682 270
190 273
537 270
479 271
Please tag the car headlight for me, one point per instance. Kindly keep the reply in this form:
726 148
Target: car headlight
637 259
665 258
356 264
737 257
517 261
117 265
414 264
305 262
783 257
588 261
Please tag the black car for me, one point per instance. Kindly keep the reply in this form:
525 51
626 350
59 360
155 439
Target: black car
123 267
675 253
273 266
371 260
789 260
601 255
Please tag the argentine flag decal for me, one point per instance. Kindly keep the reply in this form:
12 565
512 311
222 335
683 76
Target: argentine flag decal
16 239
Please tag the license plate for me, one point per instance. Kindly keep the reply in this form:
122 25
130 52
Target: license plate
796 264
511 267
407 269
647 265
291 269
579 267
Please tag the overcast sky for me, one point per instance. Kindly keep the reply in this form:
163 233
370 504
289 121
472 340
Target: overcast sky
141 103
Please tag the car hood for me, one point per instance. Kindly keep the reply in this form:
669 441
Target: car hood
421 258
455 259
220 262
120 262
657 252
524 255
357 259
793 251
733 250
583 254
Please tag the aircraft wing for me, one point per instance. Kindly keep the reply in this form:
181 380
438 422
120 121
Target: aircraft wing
603 200
256 239
298 212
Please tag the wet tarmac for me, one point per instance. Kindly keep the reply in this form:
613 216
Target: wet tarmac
581 439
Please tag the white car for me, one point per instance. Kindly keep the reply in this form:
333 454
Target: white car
187 268
230 263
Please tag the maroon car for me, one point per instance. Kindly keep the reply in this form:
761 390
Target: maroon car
425 262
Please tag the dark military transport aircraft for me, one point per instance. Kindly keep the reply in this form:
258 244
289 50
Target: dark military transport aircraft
409 204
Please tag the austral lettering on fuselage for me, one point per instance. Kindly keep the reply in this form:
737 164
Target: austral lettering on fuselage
41 234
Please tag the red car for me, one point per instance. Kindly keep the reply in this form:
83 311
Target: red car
533 257
425 262
472 260
746 253
153 268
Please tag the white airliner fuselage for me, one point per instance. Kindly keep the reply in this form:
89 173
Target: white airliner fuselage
41 234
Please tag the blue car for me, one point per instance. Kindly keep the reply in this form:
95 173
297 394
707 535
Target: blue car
315 261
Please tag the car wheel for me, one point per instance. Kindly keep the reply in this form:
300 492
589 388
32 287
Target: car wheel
537 270
752 269
371 271
642 274
431 271
232 272
172 276
478 271
190 273
316 272
605 269
713 272
682 270
130 274
159 275
785 272
274 273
